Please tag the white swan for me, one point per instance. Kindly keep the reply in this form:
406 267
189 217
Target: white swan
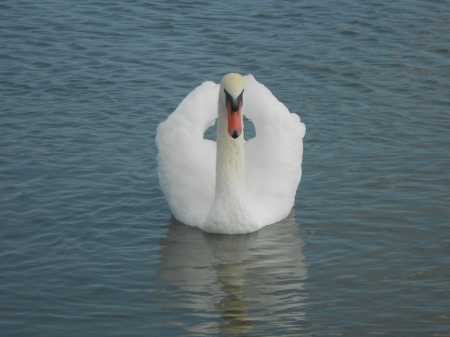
230 186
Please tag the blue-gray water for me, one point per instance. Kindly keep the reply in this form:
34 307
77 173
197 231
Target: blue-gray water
87 243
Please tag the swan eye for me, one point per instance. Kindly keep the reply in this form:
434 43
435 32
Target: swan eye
227 96
241 98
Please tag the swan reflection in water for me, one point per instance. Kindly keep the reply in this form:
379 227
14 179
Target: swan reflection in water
235 285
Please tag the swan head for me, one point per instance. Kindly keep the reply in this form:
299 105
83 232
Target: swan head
233 90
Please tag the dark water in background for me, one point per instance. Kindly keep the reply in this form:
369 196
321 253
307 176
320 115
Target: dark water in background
87 244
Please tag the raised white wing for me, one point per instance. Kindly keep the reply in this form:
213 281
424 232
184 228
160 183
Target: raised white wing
187 161
274 156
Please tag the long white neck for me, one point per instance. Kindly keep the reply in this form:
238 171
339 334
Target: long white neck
230 208
230 161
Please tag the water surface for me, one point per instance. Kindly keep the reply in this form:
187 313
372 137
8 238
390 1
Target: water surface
87 243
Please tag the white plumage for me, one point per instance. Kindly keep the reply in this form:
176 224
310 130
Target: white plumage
271 167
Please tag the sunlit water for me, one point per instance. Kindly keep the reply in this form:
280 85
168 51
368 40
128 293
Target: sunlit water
88 246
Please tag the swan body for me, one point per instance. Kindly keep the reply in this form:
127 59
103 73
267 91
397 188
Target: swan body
230 185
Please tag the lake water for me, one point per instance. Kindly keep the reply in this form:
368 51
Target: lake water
88 246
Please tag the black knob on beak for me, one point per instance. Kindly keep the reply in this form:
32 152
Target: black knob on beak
235 102
235 134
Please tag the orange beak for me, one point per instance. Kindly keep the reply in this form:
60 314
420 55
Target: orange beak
234 124
234 107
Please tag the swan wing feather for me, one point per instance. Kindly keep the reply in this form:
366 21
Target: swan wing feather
186 159
274 156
